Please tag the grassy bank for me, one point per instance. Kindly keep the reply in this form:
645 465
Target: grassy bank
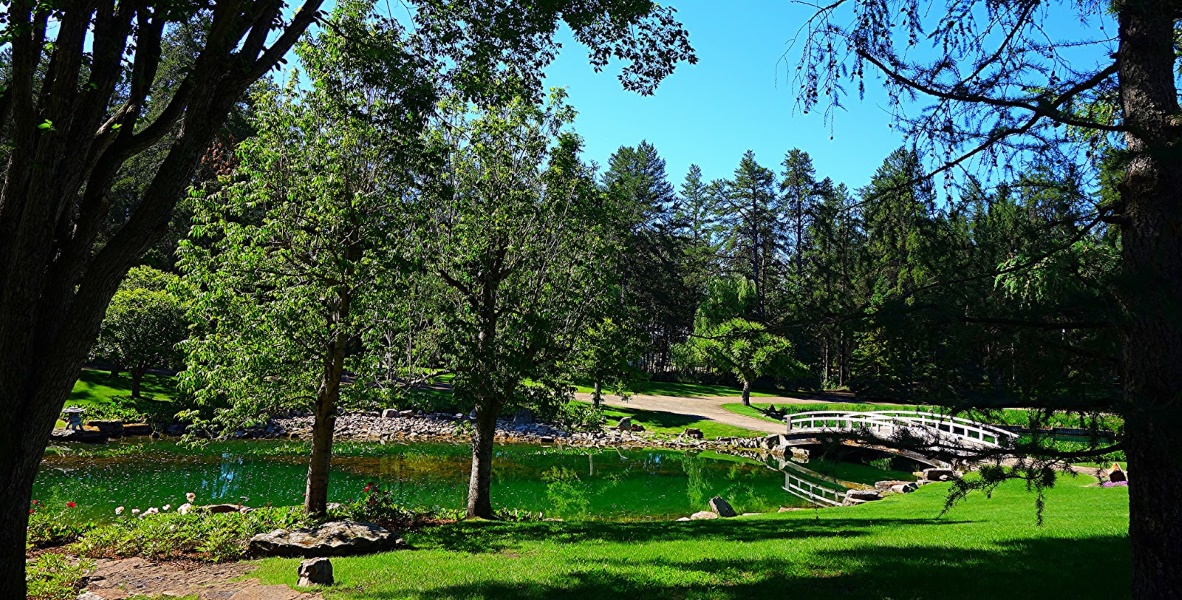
895 548
667 423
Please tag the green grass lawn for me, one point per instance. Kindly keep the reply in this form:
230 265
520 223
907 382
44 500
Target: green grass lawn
690 390
668 423
104 396
895 548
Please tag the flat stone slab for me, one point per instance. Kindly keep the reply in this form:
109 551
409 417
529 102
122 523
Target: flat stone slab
86 436
335 538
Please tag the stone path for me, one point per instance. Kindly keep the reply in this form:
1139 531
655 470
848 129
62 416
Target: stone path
708 407
135 577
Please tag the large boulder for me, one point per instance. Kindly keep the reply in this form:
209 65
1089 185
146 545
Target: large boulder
854 497
315 571
939 474
722 507
703 515
625 424
335 538
390 413
693 433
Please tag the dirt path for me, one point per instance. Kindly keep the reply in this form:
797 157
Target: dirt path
135 577
708 407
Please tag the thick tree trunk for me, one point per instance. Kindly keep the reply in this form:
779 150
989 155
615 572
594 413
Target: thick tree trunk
480 482
1151 241
597 395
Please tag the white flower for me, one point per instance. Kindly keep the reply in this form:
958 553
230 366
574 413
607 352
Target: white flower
135 511
184 509
190 496
118 510
151 511
166 507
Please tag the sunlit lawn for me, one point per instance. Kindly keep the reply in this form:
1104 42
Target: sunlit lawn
896 548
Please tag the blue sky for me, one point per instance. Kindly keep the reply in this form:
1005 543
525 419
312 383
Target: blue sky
738 97
741 96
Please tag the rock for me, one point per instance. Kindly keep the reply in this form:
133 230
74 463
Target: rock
693 433
885 486
90 596
938 474
135 429
722 507
523 417
625 424
406 413
638 428
904 488
684 519
546 439
703 515
335 538
86 436
315 571
389 413
789 509
111 428
853 497
220 508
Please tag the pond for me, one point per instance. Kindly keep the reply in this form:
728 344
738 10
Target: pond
557 482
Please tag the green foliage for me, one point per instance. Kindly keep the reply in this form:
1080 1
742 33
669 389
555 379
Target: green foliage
566 492
509 240
577 416
53 527
299 261
144 324
211 537
53 576
723 341
376 505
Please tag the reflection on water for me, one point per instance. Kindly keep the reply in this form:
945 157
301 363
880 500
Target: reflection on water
566 483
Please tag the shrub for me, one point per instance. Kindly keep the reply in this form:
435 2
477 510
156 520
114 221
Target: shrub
212 537
579 416
55 577
376 505
53 527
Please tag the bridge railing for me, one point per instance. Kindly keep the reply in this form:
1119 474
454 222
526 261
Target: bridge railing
811 492
885 422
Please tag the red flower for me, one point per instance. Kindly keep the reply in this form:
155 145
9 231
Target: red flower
31 511
35 503
70 505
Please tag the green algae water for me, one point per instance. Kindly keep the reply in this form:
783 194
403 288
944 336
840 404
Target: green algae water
568 483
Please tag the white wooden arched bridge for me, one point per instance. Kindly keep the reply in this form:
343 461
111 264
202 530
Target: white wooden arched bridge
944 430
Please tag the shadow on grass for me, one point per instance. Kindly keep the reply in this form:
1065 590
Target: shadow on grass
1096 567
491 536
658 418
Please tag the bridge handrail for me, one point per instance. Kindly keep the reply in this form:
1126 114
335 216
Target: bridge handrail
844 420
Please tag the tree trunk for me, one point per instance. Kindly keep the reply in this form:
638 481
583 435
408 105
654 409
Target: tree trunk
480 483
137 380
327 397
597 395
746 392
1151 245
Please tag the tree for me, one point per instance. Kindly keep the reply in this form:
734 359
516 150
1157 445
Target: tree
305 250
997 86
753 234
75 107
724 340
799 188
511 230
144 324
657 306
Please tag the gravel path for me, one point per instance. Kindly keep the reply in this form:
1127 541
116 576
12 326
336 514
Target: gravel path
708 407
136 577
